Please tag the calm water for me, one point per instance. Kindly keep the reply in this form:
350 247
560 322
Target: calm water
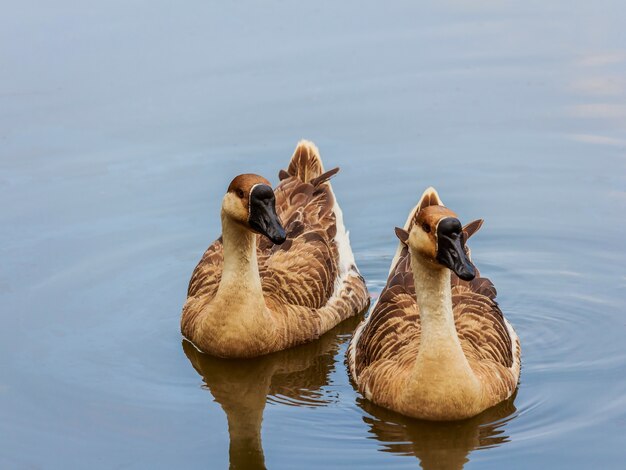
122 123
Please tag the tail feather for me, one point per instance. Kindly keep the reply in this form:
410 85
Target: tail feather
324 177
473 227
469 230
306 163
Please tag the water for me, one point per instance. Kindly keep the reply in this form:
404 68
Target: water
122 123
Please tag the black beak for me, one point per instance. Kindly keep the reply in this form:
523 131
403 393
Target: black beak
263 218
451 249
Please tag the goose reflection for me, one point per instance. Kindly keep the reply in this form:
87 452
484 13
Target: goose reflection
439 445
292 377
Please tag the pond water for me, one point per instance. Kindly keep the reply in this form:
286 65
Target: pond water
121 125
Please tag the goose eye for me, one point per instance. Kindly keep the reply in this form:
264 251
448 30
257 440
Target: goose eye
426 227
240 193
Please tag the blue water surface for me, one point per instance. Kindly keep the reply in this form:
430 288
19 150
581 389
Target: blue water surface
121 125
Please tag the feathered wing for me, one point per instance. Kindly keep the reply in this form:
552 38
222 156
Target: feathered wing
302 271
393 324
207 275
203 284
487 340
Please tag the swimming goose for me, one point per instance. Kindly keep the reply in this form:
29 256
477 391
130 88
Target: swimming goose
436 345
252 295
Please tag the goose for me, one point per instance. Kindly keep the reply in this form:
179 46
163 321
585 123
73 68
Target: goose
436 345
251 295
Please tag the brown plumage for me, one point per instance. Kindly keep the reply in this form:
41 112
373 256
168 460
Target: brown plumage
277 295
470 359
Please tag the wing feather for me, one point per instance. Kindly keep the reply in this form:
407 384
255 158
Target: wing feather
207 275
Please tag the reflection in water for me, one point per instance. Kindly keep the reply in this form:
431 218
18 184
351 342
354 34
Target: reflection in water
439 445
243 386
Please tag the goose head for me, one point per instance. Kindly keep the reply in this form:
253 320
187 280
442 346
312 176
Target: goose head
250 202
436 234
